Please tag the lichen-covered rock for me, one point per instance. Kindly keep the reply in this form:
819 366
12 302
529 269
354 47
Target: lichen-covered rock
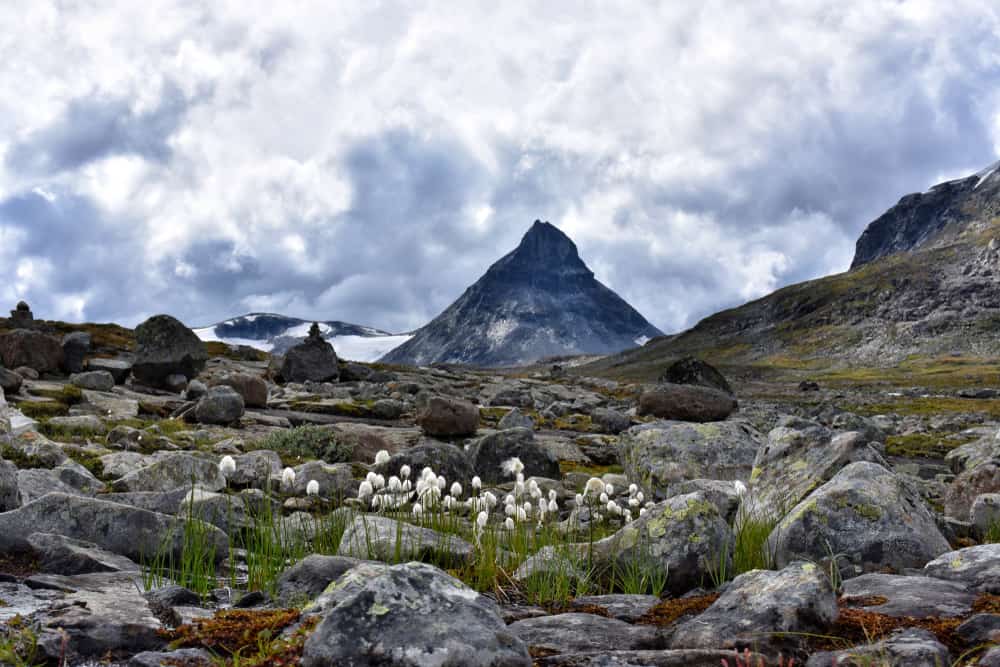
173 470
165 347
310 576
515 419
374 537
985 513
31 349
610 421
489 453
443 458
973 454
221 405
33 483
759 607
255 469
448 417
251 388
121 529
797 458
914 596
865 515
977 567
59 554
411 615
79 424
572 632
95 380
659 455
904 648
335 481
688 403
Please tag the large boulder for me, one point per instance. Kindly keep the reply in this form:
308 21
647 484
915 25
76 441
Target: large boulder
798 457
761 609
165 347
697 372
75 347
59 554
312 360
867 518
94 380
411 615
908 596
253 389
334 480
662 454
121 529
443 458
255 469
448 417
489 453
686 402
976 567
973 482
221 405
171 471
31 349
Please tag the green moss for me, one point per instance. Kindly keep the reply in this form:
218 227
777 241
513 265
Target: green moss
335 408
870 512
91 462
923 445
592 470
308 443
42 410
19 458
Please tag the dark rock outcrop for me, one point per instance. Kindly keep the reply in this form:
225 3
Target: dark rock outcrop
165 347
31 349
312 360
688 403
697 372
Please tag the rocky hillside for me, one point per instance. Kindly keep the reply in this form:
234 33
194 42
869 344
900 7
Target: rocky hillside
538 301
926 284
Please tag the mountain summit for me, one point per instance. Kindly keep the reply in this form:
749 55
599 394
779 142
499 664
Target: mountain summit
539 300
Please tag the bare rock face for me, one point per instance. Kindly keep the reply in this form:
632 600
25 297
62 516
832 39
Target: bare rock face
166 347
313 360
31 349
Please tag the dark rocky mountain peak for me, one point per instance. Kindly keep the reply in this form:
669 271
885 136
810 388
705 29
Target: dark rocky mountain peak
539 300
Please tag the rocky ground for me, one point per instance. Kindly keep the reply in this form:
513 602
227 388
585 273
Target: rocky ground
161 504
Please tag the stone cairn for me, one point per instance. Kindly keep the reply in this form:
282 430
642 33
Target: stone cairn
21 317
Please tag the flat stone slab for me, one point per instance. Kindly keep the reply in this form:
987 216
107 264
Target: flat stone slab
915 596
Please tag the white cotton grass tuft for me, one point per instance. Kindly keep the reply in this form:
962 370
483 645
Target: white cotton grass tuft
508 524
512 467
365 490
381 457
477 483
553 507
740 487
633 489
603 498
609 489
594 487
404 471
456 489
312 488
481 519
395 486
287 477
227 466
418 509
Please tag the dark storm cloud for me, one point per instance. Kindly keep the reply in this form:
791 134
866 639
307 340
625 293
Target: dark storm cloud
98 126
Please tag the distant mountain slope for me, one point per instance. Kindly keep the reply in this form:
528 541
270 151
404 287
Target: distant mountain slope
276 333
926 282
540 300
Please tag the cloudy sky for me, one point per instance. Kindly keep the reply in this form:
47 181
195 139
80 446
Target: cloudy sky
366 161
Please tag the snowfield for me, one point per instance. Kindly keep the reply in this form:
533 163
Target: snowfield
353 348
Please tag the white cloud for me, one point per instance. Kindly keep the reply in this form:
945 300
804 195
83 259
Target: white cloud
365 162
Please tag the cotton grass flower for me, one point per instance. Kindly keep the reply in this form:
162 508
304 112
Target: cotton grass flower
740 487
481 519
508 524
633 489
477 483
312 488
418 510
395 486
512 467
456 489
288 477
404 471
365 490
381 457
553 507
594 487
227 466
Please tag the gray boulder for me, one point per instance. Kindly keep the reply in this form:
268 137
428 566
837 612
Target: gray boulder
973 454
975 567
335 481
448 417
696 372
515 419
165 347
573 632
310 576
173 470
610 421
80 424
31 349
75 347
95 380
490 452
406 616
904 648
195 390
985 513
866 516
33 483
967 486
380 538
221 405
660 455
59 554
253 389
255 469
121 529
312 360
388 408
119 368
443 458
759 607
911 595
689 403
